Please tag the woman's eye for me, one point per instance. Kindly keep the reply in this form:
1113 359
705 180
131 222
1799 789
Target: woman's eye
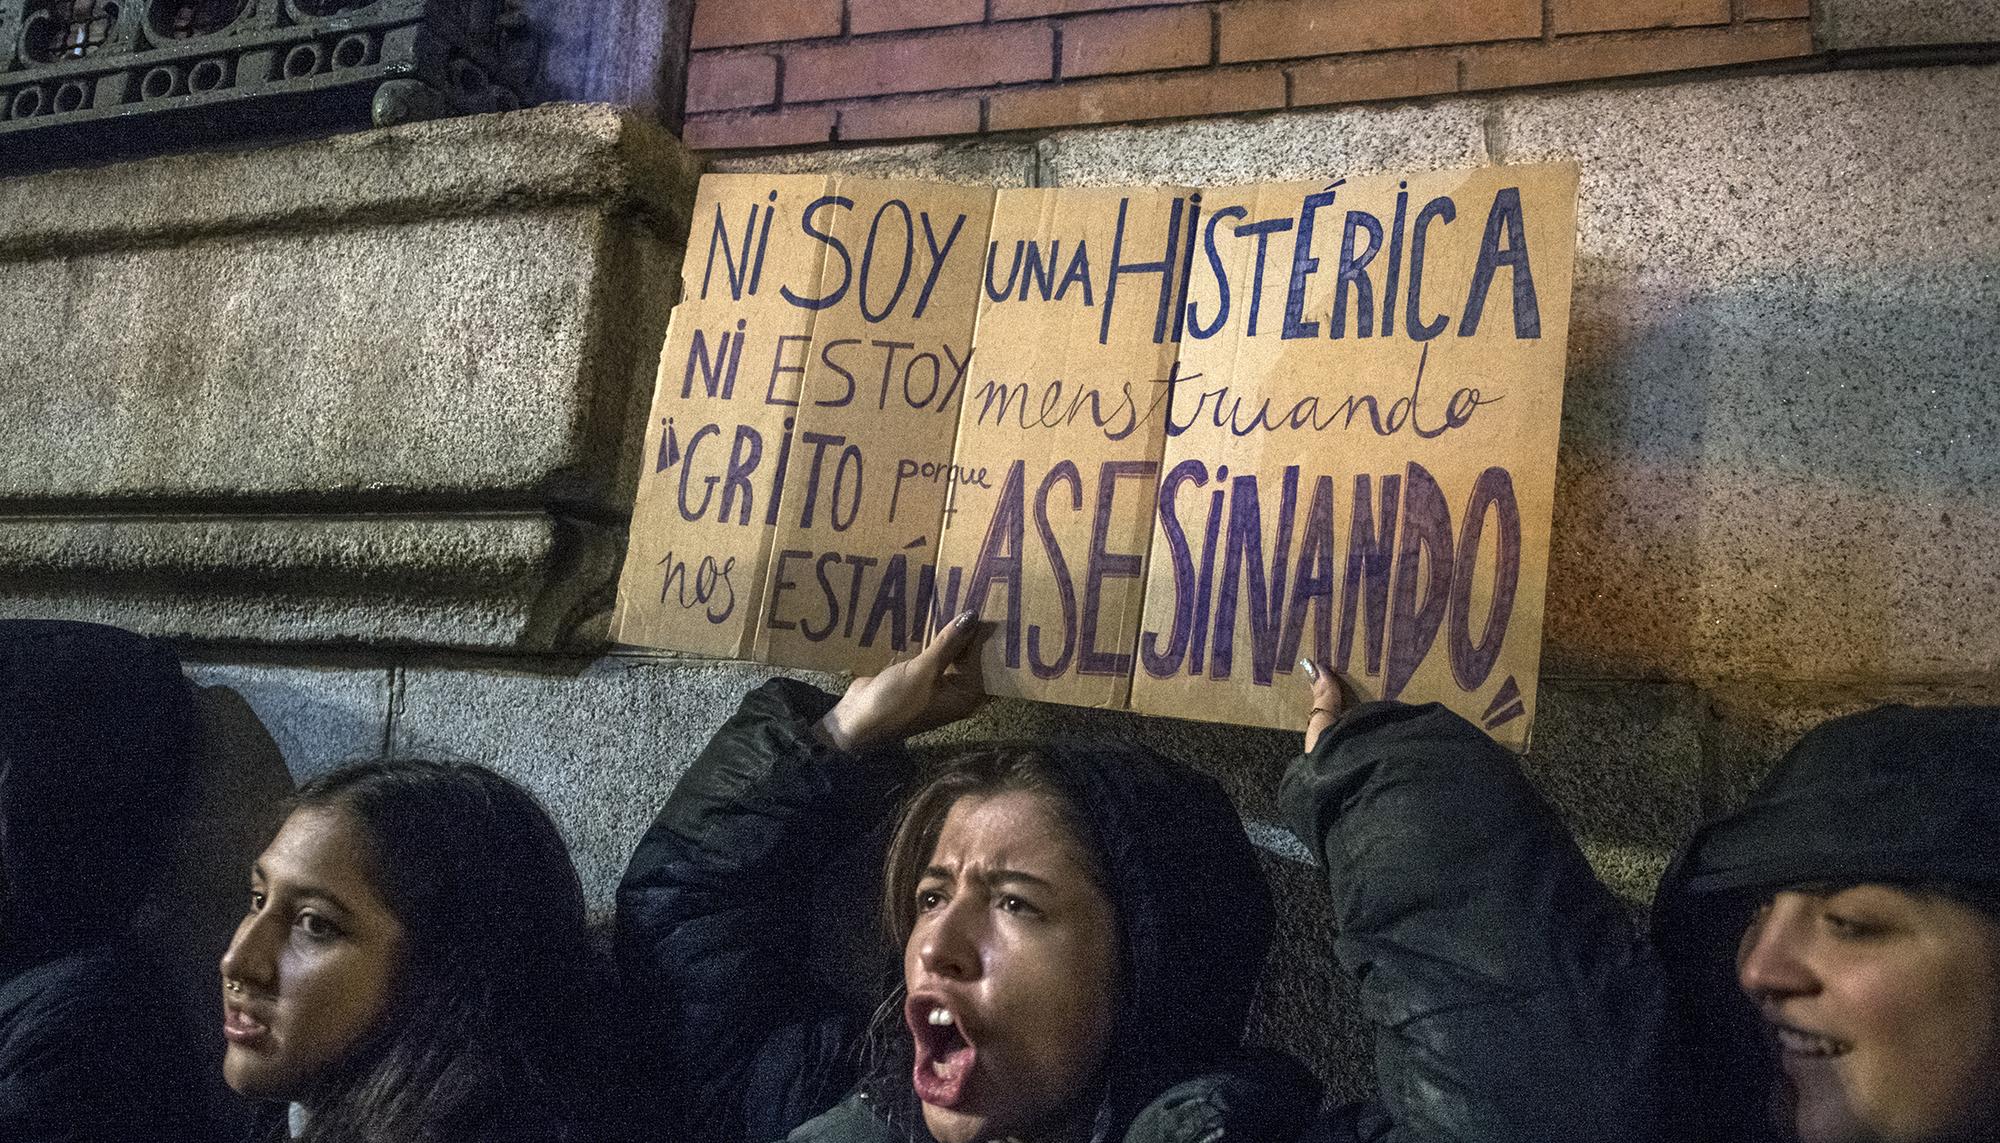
1850 927
1010 903
317 927
256 901
928 899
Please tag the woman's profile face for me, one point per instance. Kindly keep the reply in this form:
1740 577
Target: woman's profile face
314 961
1883 1007
1012 970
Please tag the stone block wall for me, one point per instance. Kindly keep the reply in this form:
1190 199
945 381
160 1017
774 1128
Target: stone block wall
354 423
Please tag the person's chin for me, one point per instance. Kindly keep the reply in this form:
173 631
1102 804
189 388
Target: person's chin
1824 1117
956 1125
250 1076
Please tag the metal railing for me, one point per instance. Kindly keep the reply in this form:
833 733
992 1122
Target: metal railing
83 79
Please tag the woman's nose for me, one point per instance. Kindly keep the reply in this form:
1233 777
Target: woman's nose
1771 962
251 958
948 946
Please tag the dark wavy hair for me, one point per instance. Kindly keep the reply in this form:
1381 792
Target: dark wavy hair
489 1018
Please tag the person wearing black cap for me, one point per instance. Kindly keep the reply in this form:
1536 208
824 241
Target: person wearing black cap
98 733
1835 944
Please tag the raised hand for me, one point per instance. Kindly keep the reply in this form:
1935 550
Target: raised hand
910 697
1329 698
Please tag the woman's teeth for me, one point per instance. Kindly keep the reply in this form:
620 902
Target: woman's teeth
940 1016
1805 1044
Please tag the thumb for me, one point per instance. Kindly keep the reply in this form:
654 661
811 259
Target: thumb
950 643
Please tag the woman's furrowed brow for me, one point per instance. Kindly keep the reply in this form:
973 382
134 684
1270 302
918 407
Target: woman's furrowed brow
1005 876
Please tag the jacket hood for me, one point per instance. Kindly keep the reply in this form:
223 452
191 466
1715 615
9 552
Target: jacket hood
1194 911
1195 919
97 741
1899 794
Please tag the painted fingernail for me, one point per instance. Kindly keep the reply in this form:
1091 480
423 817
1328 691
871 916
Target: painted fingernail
1311 671
965 619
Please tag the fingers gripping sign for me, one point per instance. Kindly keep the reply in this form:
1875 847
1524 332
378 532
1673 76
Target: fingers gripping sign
1329 699
940 685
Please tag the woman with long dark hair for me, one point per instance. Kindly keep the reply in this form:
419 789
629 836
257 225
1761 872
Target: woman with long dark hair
414 965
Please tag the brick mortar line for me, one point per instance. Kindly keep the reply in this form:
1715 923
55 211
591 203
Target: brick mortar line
1252 66
1903 58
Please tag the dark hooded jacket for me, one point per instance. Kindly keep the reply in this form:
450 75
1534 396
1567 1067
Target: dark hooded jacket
714 936
1512 997
97 740
1897 795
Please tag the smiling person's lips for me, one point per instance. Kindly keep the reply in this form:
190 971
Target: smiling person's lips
944 1054
1797 1043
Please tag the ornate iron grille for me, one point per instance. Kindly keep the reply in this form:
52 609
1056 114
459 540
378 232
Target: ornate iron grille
96 78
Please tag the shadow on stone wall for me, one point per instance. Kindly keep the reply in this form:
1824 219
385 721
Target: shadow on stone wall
241 787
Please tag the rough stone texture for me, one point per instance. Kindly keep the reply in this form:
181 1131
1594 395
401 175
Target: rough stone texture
1757 722
494 580
449 356
1780 456
998 164
1291 146
361 385
452 309
1622 764
1842 25
565 154
318 716
601 746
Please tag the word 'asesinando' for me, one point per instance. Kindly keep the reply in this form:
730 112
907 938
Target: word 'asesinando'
1399 574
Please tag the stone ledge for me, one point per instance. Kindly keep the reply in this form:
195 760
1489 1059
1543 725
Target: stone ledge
487 356
557 154
501 582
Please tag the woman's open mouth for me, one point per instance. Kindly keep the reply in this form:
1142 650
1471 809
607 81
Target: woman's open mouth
239 1027
944 1053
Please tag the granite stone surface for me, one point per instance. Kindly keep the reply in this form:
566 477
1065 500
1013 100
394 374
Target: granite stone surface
1780 456
559 154
317 717
447 358
1845 25
997 163
494 580
601 745
1294 146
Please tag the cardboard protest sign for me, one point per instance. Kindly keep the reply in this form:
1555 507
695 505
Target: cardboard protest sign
869 459
1164 440
1360 463
1061 430
707 499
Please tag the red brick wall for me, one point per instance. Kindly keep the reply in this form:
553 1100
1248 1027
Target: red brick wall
773 73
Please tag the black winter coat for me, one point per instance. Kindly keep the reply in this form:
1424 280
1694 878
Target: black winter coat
714 930
97 739
1900 795
1514 999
